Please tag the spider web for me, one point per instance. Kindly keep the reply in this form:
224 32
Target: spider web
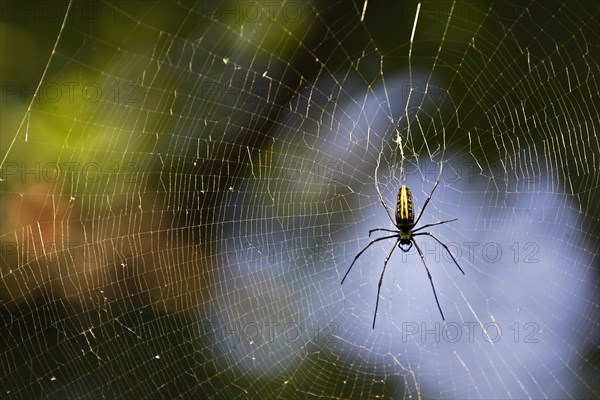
185 184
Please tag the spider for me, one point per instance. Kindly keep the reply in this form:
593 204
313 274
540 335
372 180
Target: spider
404 233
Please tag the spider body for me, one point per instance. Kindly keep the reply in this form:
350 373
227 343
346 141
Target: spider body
405 215
404 234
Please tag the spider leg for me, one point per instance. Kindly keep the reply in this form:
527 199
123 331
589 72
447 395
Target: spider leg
381 279
430 194
362 251
429 276
435 223
382 229
444 245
